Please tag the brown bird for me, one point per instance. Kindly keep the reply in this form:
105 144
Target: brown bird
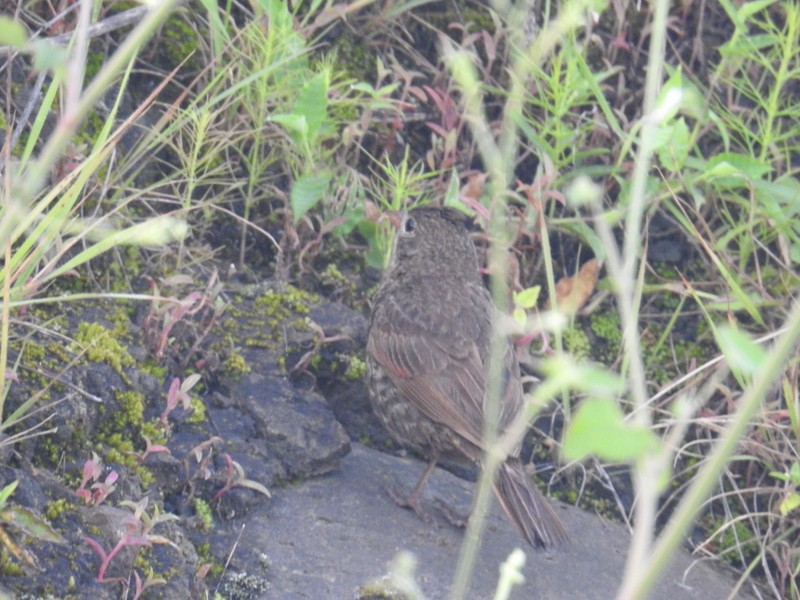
427 356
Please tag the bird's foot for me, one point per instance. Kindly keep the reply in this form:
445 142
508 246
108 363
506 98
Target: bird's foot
455 518
411 501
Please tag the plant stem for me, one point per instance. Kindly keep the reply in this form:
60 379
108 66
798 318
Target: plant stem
637 583
647 469
34 178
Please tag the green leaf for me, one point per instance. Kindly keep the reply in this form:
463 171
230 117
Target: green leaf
362 86
7 491
295 124
730 168
741 352
789 503
693 101
582 377
748 9
670 98
582 191
453 189
312 104
520 317
793 476
794 473
748 45
780 197
280 19
794 253
12 33
47 56
599 429
155 232
528 297
674 151
307 191
31 524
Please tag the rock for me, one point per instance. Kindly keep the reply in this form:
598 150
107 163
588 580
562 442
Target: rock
298 429
331 536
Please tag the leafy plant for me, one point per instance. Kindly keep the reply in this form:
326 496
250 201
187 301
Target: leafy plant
28 523
660 132
40 233
138 532
100 490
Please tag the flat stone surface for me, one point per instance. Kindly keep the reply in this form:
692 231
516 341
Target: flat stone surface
326 537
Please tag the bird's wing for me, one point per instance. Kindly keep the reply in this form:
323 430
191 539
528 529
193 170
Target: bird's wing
511 396
438 369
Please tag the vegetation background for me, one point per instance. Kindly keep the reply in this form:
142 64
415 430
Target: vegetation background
634 168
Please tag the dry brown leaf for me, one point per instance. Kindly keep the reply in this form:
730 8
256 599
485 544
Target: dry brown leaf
573 292
474 187
371 211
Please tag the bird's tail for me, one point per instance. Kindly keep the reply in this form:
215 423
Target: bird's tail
527 508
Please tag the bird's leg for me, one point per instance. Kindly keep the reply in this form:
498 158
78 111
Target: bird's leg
413 500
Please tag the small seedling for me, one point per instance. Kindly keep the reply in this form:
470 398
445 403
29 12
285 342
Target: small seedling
137 532
100 490
235 477
178 392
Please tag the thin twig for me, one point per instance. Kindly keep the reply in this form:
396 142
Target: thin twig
112 23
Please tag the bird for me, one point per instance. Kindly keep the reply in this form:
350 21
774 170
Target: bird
428 346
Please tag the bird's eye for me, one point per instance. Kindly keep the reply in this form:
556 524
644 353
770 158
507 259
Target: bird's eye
409 225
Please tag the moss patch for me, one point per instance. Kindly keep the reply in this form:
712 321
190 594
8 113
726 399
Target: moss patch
102 346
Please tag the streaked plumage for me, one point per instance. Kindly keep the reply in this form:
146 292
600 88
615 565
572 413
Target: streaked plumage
427 353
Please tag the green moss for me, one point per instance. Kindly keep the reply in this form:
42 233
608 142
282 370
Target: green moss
142 560
180 42
601 506
59 351
282 305
576 342
607 327
356 368
198 411
154 369
479 19
56 508
51 451
203 511
8 568
332 277
315 361
119 450
131 411
656 358
205 557
94 61
101 346
235 365
378 590
154 432
33 353
353 56
87 137
735 537
265 323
